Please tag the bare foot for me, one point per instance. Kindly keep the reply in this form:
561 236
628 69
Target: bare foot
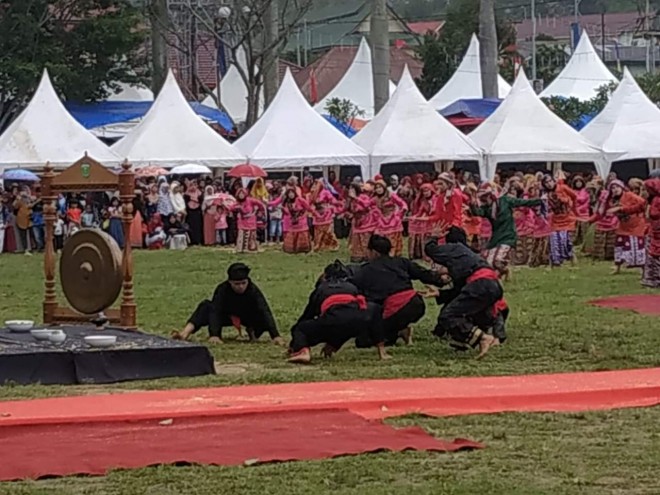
407 335
485 344
176 335
215 340
304 356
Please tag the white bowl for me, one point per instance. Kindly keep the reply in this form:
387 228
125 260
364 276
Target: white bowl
41 334
101 340
57 336
19 326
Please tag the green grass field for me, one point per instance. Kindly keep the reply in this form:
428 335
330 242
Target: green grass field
552 329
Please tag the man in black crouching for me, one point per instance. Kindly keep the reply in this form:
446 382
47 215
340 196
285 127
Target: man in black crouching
335 313
236 302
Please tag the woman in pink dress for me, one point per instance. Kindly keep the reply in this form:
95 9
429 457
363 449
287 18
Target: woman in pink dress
540 221
606 225
209 209
582 208
359 211
323 204
294 222
419 226
389 213
246 209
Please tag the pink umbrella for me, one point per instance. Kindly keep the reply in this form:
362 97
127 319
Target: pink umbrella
150 171
247 170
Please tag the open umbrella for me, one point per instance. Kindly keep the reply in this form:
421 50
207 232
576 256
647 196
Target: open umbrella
247 170
150 171
190 169
20 174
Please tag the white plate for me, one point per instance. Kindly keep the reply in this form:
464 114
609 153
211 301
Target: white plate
101 340
19 326
41 334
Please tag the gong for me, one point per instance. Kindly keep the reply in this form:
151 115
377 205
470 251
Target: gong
90 271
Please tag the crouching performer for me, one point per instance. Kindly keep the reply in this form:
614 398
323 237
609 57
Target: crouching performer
475 313
236 302
335 313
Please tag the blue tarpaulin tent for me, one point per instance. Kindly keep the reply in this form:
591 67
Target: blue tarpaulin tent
345 129
93 115
472 108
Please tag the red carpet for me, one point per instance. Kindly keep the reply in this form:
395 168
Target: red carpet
370 399
78 448
645 304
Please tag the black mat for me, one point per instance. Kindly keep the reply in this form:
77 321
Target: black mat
135 356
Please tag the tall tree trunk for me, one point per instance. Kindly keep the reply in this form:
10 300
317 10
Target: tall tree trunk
380 53
488 48
271 71
159 19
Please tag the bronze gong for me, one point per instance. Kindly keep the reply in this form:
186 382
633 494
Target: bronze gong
90 271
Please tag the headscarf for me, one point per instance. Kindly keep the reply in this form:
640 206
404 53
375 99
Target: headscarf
448 178
164 200
238 272
259 190
178 203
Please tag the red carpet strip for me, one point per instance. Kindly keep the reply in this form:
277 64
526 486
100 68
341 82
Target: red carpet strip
371 399
645 304
95 448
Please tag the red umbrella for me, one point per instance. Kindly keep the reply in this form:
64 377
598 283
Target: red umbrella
247 170
150 171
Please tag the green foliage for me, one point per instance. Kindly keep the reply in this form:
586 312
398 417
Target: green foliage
85 44
550 60
650 84
571 110
442 54
343 110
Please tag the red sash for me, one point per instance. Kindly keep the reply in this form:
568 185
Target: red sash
395 302
340 299
489 274
236 321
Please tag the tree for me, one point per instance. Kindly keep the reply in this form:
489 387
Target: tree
442 54
551 59
344 110
88 46
488 48
241 28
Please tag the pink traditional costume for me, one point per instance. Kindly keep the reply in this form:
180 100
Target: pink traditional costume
419 225
294 222
246 209
582 209
606 225
323 217
359 210
389 213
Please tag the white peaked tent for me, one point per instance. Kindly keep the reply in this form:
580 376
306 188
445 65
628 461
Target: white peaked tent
465 83
171 134
408 129
128 92
584 73
356 85
234 93
291 135
46 132
524 129
629 125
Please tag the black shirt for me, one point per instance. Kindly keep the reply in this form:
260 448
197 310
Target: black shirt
324 289
461 262
251 307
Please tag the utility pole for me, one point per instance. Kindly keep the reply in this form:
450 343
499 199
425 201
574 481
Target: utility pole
271 71
159 19
647 36
488 48
380 53
533 40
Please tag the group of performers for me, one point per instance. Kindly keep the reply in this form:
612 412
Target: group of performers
373 303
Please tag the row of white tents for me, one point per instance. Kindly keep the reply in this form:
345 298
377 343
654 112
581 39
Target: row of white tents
291 134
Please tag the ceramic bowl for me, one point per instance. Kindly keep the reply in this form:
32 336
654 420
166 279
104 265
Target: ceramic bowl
101 340
57 337
19 326
41 334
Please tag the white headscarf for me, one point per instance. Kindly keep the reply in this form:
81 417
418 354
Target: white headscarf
178 203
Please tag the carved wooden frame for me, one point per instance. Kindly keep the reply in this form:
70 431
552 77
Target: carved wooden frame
88 175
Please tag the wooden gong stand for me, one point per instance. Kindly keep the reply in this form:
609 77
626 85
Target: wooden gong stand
88 175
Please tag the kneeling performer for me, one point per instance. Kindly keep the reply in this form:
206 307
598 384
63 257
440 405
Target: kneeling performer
236 302
334 314
477 305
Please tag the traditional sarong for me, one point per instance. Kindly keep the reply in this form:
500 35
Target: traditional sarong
522 251
416 244
540 252
325 239
561 247
296 242
651 274
630 250
358 246
246 241
499 257
604 242
397 243
581 233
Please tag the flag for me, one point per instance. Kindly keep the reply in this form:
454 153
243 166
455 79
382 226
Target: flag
313 89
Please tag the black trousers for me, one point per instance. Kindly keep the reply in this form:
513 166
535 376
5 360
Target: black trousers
390 327
336 327
201 316
472 307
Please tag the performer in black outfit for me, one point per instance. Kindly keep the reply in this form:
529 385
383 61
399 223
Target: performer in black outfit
475 305
335 313
236 302
387 282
